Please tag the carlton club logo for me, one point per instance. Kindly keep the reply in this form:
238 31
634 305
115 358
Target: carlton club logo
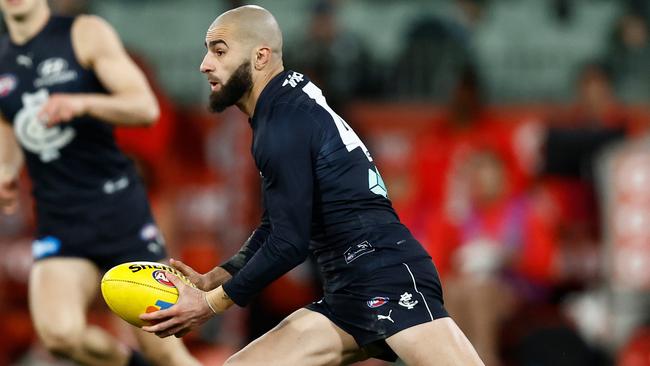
34 135
8 83
161 277
406 300
378 301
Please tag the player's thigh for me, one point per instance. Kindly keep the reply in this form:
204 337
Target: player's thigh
60 290
303 338
168 351
439 342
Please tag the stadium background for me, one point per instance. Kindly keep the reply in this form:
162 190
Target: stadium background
511 135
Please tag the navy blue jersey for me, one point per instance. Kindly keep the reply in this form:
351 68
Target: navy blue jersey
322 194
73 165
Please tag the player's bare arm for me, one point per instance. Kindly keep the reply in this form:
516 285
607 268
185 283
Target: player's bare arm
11 162
130 100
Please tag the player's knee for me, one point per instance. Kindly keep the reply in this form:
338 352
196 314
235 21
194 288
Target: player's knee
61 341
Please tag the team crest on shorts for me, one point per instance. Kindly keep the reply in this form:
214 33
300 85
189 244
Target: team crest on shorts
377 301
406 300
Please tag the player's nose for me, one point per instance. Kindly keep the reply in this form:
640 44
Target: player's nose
206 65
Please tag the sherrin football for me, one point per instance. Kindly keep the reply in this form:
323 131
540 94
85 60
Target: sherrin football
134 288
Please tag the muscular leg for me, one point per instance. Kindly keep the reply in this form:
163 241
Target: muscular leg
304 338
60 290
168 351
439 342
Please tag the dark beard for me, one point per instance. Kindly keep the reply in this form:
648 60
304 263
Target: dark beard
231 92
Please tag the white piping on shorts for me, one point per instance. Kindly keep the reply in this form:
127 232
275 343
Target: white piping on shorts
415 286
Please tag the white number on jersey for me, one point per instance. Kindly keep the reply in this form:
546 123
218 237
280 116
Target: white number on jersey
349 137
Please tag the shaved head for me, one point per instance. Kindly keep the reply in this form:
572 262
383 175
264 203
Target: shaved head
244 52
251 25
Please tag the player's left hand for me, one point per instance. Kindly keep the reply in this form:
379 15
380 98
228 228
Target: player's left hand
61 108
190 311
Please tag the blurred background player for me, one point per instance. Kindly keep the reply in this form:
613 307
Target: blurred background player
66 81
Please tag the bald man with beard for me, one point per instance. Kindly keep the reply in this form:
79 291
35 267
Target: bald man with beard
324 196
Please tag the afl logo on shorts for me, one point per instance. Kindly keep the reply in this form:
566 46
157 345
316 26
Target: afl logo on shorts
376 302
8 83
160 276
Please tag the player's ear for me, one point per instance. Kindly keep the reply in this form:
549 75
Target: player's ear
262 57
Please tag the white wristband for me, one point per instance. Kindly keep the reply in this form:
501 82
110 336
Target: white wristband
205 296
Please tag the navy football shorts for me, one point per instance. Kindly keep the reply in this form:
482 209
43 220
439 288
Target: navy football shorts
385 302
107 233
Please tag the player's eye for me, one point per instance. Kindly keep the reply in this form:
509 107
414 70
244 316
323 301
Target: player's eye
219 52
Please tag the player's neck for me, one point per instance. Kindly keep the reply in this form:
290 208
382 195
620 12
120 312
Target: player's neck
23 29
249 102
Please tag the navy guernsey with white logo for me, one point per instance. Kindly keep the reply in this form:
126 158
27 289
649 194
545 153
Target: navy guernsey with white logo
322 195
79 176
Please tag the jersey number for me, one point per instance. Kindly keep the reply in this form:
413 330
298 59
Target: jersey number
349 137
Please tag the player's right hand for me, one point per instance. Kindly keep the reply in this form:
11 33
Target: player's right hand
61 108
190 311
205 282
8 196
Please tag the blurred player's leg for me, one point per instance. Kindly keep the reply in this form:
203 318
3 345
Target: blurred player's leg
60 290
466 301
439 342
303 338
168 351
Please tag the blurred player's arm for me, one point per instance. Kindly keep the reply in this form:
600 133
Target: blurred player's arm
11 162
130 100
